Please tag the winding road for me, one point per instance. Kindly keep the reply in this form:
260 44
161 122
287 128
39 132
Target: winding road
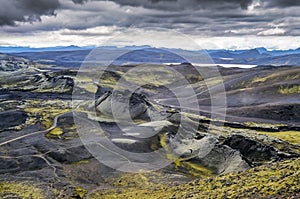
54 125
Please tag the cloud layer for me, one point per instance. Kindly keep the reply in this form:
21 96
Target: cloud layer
195 18
25 10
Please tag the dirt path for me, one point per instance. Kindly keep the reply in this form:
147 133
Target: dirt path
54 125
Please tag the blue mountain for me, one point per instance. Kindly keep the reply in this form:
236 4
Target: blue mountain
74 55
20 49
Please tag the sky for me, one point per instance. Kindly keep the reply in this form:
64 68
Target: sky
187 24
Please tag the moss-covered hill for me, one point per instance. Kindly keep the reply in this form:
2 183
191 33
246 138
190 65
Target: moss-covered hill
274 180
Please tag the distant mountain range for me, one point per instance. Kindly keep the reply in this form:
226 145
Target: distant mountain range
74 55
20 49
257 56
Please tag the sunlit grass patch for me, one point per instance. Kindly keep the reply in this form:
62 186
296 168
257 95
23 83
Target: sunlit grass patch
289 90
152 75
56 132
276 180
292 137
46 111
20 190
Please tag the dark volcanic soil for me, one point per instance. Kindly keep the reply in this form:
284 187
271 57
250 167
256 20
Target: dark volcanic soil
41 144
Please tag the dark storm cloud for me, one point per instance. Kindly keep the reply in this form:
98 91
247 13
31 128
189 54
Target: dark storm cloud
180 15
281 3
186 4
79 1
12 11
206 4
25 10
195 17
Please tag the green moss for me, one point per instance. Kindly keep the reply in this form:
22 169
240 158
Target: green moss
263 125
276 180
260 79
195 169
132 180
156 76
108 80
292 137
81 162
182 165
289 90
92 88
86 83
21 190
56 132
83 78
81 192
292 76
45 111
169 155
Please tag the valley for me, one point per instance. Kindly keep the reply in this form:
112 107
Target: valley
148 131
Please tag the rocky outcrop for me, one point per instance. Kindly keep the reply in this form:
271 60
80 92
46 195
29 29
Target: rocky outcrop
184 138
46 82
10 63
70 155
209 153
122 105
223 159
253 150
204 149
125 105
57 83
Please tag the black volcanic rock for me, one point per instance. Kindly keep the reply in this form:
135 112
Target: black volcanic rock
74 154
122 105
252 150
12 118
